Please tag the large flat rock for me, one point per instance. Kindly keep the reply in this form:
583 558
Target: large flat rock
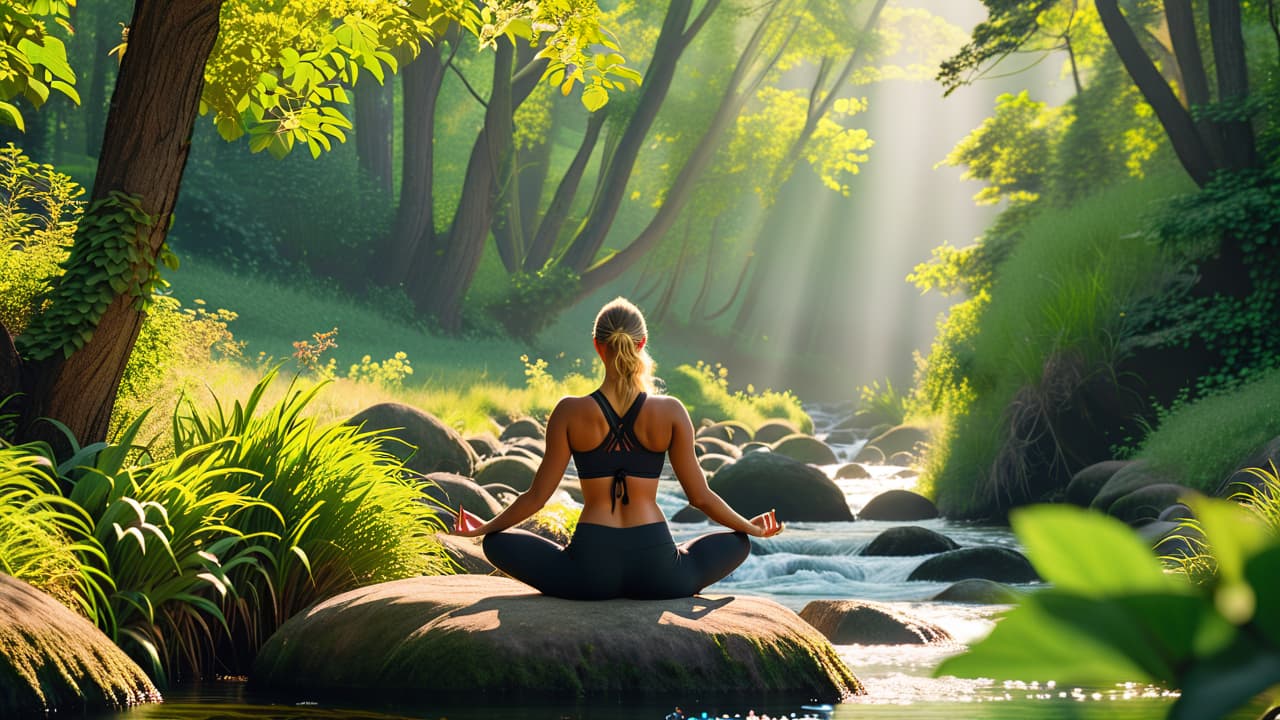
55 661
463 634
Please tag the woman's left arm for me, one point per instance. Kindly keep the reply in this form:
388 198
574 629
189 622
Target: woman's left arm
545 481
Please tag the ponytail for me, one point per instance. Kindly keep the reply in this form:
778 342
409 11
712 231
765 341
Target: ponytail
621 327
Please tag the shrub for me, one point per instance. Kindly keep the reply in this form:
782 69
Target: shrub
704 390
1056 316
335 511
1200 443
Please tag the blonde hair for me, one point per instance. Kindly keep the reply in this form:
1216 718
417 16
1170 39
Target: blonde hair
620 327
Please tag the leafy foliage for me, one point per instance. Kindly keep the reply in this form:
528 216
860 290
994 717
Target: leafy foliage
1010 151
336 512
531 301
1113 615
33 61
108 258
704 390
280 68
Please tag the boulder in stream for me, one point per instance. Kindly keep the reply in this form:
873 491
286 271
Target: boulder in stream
860 622
976 591
486 636
806 449
511 470
774 430
899 506
988 562
906 540
448 490
761 481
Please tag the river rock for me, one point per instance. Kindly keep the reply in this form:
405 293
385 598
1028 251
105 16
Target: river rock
755 446
728 430
774 430
485 445
525 427
806 449
988 562
718 446
448 490
761 481
572 488
533 446
852 471
899 505
870 454
1127 479
865 420
467 553
909 439
976 591
439 448
841 437
713 461
859 622
901 459
512 470
1086 483
474 636
55 661
909 540
1147 503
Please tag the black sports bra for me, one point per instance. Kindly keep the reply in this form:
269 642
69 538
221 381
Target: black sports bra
620 453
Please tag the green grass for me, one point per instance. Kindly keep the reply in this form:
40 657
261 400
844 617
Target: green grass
1056 314
1198 444
467 382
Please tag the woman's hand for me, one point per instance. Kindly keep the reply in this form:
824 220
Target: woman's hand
767 524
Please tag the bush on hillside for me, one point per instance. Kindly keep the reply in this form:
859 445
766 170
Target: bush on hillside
704 390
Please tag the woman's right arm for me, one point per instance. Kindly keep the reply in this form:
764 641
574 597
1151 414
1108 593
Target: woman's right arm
684 461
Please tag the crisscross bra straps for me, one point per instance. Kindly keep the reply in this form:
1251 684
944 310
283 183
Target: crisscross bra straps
621 453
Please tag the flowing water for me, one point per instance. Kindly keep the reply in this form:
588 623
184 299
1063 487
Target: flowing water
809 561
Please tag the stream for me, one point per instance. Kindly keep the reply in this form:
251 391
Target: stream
809 561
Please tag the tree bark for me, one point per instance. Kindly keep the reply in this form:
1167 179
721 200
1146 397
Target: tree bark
374 126
448 265
1186 49
1177 122
553 219
144 153
1225 28
672 41
414 225
741 87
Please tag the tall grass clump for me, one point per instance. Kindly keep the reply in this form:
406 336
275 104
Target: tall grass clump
1053 318
333 510
704 389
1198 444
43 536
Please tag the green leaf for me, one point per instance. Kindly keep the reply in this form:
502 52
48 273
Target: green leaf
10 115
594 97
1033 643
1220 685
1262 572
1234 534
1088 553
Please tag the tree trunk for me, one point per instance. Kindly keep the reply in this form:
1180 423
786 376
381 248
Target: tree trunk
449 265
544 243
144 152
414 225
375 105
1186 49
1175 119
1225 28
672 41
741 87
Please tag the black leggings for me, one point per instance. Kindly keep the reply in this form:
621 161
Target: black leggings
602 562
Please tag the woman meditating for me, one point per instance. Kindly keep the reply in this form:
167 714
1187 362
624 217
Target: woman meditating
617 437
